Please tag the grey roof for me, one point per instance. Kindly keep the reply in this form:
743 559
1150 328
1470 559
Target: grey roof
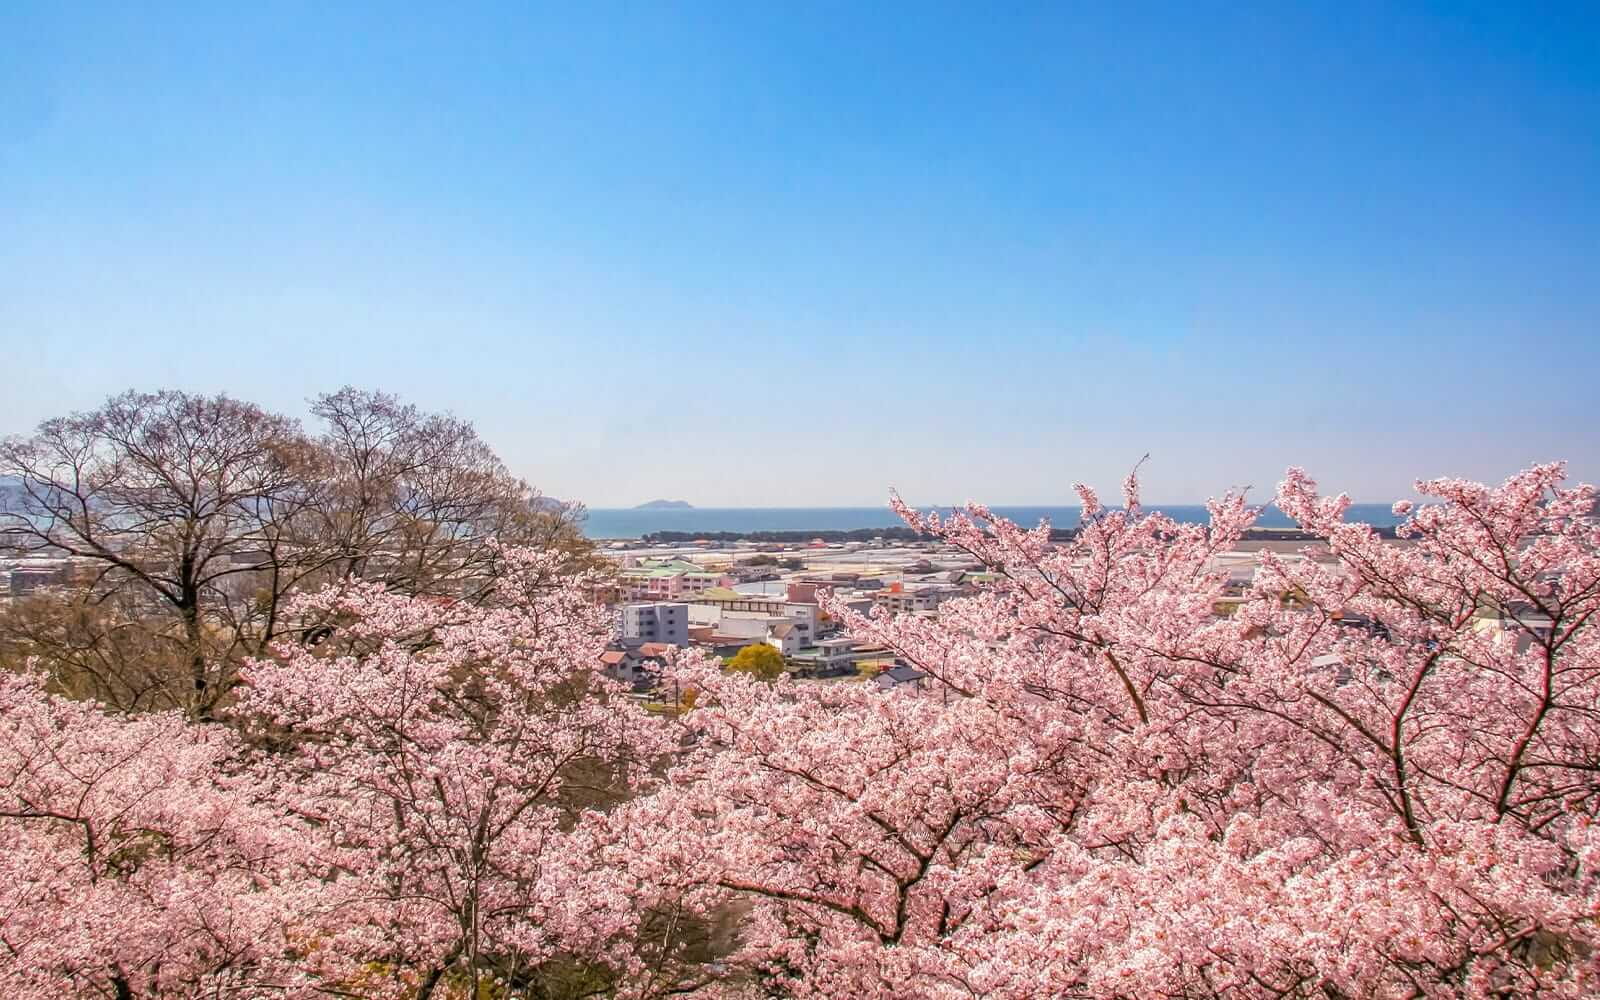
900 674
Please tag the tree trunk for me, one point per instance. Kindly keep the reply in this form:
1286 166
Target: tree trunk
425 991
203 699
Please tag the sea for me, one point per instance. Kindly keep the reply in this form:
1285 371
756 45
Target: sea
635 523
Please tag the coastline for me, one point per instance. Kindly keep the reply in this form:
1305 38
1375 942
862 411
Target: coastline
802 524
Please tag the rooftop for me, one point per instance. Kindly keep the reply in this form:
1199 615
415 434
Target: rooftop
725 594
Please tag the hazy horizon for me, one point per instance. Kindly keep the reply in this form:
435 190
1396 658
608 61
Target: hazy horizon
754 256
1110 496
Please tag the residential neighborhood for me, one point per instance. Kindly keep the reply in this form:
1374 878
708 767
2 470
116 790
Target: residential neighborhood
722 597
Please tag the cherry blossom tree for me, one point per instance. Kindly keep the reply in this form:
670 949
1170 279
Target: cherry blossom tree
1373 773
419 806
139 857
453 761
1378 777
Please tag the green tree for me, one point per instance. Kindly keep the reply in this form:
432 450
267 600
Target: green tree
761 660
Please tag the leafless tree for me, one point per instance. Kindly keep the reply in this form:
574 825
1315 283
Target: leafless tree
180 508
188 520
411 497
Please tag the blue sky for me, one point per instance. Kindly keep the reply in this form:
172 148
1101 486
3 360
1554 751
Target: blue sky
795 254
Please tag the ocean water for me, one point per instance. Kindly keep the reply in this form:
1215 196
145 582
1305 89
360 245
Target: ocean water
629 523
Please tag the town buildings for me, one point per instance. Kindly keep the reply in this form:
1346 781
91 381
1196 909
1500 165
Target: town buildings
729 597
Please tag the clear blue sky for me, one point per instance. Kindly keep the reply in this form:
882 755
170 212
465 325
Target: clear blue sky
794 254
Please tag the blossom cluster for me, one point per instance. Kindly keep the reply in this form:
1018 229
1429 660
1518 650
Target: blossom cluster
1376 777
1374 771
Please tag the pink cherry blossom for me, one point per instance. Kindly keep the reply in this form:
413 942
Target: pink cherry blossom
445 758
1372 772
1377 778
138 856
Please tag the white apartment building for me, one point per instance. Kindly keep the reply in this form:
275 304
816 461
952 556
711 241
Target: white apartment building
657 622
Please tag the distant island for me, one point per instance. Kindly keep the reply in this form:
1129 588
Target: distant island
666 505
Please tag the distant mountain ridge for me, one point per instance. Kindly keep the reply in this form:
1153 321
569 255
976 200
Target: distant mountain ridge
666 505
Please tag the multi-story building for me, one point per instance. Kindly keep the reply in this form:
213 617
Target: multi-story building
901 598
733 614
829 657
658 622
667 579
30 575
725 601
